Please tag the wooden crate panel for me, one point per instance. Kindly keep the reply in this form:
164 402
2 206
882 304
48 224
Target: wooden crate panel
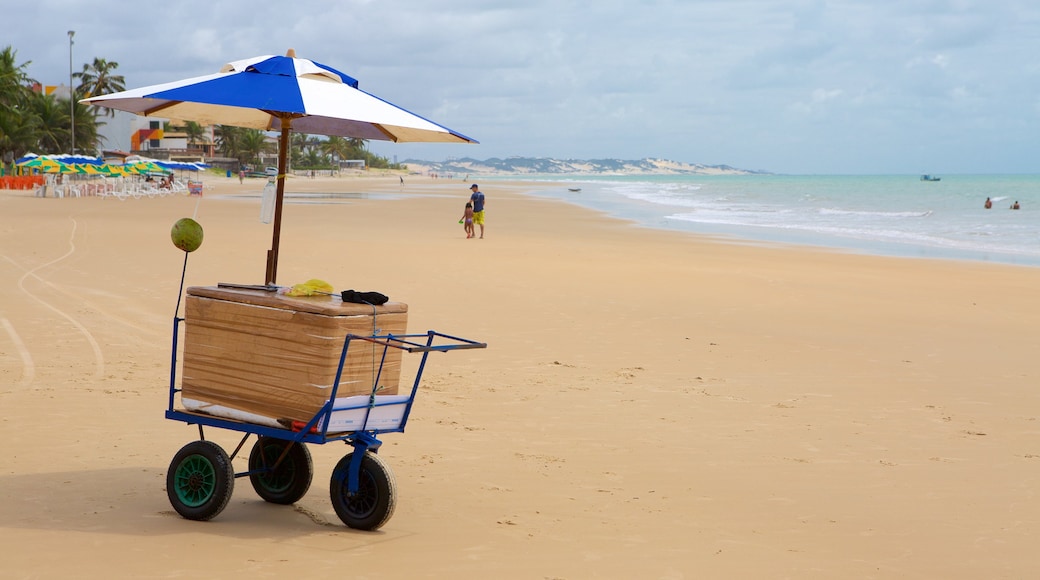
277 356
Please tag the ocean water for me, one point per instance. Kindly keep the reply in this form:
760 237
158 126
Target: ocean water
894 215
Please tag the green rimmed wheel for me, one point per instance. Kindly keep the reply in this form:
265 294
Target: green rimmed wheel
374 503
288 482
200 480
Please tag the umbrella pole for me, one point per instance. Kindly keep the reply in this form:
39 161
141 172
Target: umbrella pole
283 154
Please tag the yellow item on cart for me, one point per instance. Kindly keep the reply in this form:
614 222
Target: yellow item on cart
310 288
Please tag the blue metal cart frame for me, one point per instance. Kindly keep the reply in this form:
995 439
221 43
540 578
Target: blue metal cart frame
200 479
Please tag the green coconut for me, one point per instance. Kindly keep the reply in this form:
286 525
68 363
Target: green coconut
186 234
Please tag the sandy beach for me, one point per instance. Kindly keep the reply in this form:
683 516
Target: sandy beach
650 404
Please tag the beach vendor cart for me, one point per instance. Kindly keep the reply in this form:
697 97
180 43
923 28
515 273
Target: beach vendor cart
293 371
297 366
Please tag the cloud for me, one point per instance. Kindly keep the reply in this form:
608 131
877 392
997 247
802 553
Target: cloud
751 83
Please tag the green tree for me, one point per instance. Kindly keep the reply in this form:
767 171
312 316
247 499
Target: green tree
17 125
252 144
17 133
14 81
87 137
98 78
51 131
31 121
336 147
314 159
228 139
194 131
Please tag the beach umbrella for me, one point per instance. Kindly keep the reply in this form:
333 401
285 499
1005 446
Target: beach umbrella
47 165
284 94
36 162
110 170
87 168
76 159
147 166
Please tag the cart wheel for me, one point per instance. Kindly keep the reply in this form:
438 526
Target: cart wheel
200 480
291 480
374 503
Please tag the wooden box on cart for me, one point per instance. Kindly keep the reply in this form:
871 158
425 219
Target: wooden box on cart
276 356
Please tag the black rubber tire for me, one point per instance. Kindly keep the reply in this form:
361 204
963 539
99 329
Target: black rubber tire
376 498
200 480
290 481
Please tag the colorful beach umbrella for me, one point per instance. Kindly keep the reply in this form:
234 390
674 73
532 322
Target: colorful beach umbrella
76 159
147 167
180 165
109 170
60 163
87 168
124 169
47 165
281 93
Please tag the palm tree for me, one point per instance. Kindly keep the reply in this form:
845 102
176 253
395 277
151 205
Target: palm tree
228 139
194 131
299 143
17 133
358 146
336 147
51 132
87 137
17 127
33 121
97 79
14 81
314 158
253 143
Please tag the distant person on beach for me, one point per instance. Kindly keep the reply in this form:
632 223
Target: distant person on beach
241 175
467 219
478 208
988 204
401 178
1014 205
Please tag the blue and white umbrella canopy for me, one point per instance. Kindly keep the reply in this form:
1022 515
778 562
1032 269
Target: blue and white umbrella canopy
281 93
268 92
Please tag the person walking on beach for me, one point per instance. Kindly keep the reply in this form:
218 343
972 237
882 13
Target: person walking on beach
478 208
988 204
467 220
241 175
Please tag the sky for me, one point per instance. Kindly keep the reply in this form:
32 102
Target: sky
786 86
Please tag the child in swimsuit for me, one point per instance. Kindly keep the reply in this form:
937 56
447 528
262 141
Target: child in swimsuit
467 219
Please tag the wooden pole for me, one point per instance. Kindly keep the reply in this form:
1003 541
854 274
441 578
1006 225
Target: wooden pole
283 164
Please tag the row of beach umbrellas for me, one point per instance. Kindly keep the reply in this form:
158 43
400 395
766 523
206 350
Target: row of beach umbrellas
83 165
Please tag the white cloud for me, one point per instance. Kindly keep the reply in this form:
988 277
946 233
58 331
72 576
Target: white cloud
824 95
752 83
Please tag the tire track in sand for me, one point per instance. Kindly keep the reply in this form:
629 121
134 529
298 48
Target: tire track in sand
99 360
28 368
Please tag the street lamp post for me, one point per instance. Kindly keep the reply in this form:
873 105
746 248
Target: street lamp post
72 95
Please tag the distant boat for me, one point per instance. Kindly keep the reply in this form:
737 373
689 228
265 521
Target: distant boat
927 177
573 189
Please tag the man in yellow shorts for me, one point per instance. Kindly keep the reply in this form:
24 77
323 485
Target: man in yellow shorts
478 208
